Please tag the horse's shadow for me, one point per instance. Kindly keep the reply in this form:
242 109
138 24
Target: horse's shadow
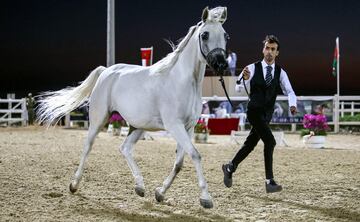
104 210
339 213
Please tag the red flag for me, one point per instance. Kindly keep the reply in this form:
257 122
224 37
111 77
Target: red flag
146 56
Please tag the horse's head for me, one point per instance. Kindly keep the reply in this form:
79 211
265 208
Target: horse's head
213 38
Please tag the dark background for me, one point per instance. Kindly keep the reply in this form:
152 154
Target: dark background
48 45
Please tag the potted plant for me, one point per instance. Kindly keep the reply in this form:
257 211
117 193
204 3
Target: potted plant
315 130
115 122
201 131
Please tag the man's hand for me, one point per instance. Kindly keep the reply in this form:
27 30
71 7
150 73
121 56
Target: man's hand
246 73
293 110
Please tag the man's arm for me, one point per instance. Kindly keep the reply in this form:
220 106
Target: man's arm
246 74
288 91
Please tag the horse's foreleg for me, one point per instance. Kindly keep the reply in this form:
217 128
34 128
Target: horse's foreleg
126 150
181 136
160 191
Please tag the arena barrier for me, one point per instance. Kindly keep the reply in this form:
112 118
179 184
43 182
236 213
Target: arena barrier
333 107
239 137
72 120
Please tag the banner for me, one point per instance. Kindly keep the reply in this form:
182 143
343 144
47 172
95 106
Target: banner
283 115
146 56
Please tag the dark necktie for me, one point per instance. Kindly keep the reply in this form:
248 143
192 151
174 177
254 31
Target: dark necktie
268 77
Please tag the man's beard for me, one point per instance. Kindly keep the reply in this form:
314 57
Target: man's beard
269 58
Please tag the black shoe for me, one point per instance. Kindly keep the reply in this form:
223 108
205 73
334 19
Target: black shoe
227 174
272 187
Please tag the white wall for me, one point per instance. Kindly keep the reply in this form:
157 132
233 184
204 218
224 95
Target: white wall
212 86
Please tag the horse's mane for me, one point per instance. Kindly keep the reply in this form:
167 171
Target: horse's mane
169 61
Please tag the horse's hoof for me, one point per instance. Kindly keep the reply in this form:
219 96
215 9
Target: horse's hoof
206 203
158 196
72 189
140 191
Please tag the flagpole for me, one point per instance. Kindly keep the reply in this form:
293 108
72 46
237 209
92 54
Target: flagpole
338 66
337 102
110 33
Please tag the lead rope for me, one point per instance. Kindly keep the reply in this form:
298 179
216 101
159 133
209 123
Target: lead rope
223 85
239 82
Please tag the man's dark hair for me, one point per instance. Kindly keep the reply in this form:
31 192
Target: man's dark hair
272 39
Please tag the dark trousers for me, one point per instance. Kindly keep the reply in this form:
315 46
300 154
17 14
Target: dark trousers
259 120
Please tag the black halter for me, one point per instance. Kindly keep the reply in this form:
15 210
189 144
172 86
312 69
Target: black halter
208 59
209 55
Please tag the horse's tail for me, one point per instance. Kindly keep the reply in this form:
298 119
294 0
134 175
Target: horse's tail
54 105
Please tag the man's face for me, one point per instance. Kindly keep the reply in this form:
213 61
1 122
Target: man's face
270 52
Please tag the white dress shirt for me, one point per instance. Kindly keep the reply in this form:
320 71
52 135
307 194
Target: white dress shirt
284 82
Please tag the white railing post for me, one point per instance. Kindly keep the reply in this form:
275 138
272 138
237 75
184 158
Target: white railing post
23 113
336 114
9 108
10 96
67 120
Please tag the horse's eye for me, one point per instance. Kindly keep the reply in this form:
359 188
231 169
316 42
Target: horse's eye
205 36
226 36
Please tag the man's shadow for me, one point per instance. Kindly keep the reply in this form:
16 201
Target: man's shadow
333 212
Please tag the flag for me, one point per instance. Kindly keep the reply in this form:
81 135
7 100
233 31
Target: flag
146 56
336 58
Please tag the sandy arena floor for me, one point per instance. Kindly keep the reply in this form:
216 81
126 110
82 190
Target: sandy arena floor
36 166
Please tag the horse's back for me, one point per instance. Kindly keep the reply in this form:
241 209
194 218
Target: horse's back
129 89
121 69
115 73
109 77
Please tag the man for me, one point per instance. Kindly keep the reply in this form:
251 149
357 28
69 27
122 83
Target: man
30 104
263 79
231 60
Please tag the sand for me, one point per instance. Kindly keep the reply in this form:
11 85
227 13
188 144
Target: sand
36 166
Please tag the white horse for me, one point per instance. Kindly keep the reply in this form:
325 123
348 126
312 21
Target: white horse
164 96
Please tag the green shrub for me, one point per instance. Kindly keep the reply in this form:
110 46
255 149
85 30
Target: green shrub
304 132
349 118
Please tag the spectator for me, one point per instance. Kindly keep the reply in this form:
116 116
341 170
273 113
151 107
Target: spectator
231 60
30 103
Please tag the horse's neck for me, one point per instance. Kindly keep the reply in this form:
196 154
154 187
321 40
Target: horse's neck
188 73
188 62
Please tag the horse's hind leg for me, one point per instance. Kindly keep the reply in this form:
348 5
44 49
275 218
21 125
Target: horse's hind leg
126 149
97 120
160 191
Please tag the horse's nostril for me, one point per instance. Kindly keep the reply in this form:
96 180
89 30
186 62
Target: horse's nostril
222 65
217 60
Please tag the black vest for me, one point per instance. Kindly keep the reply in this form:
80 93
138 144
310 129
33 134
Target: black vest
261 96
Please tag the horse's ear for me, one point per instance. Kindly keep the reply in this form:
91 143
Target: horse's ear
205 14
224 15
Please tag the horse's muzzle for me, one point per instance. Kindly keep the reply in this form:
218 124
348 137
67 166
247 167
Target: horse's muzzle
216 59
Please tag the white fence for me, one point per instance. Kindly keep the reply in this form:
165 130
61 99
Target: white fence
349 104
14 113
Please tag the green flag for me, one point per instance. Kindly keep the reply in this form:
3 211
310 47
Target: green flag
336 58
